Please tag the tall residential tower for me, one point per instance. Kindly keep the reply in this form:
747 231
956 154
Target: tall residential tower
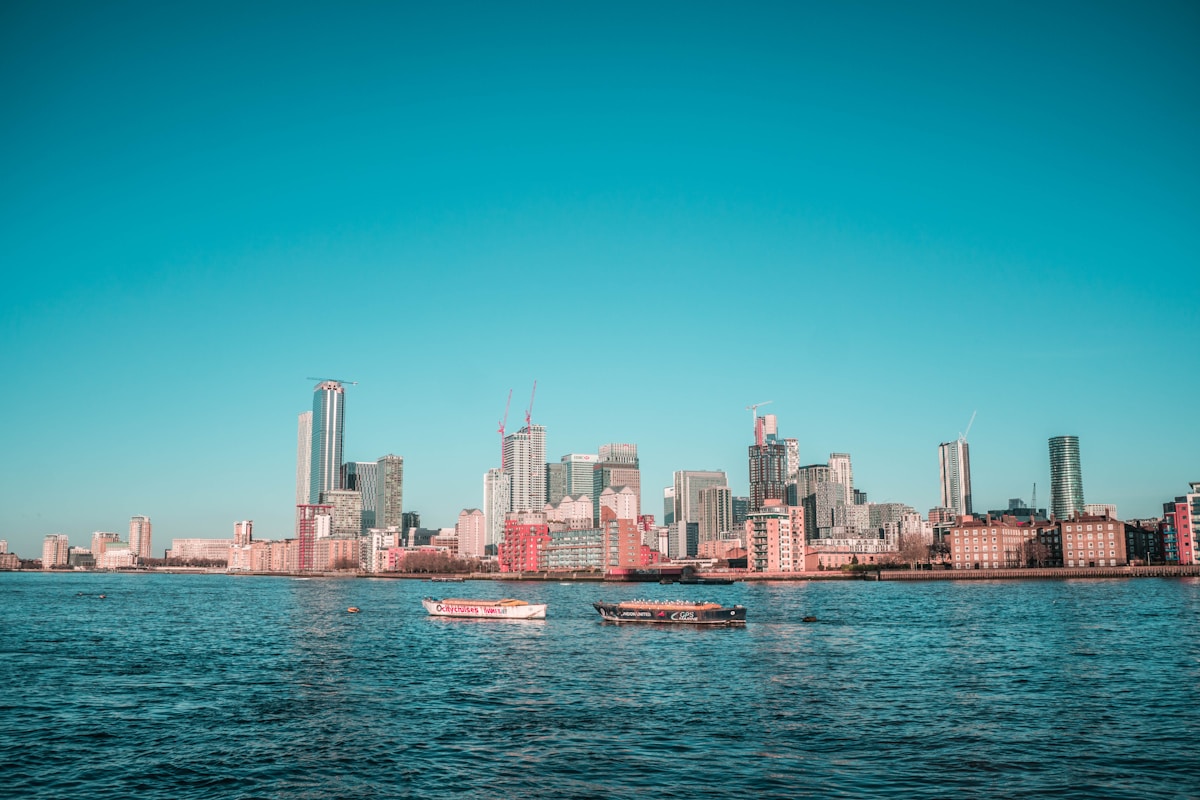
954 460
1066 477
328 418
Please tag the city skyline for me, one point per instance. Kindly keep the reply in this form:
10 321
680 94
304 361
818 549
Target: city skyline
918 211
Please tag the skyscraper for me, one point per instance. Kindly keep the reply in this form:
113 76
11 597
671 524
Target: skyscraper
328 419
139 537
389 492
495 505
303 457
1066 477
525 465
954 459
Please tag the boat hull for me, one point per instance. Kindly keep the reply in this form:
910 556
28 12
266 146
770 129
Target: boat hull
471 609
671 613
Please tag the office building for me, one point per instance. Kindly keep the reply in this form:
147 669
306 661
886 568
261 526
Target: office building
345 512
1066 477
579 468
688 485
668 505
139 537
954 461
243 532
556 482
616 466
328 418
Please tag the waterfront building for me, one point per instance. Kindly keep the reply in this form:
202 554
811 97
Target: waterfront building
243 532
556 482
1144 541
716 514
741 508
808 478
1181 543
616 465
622 501
1006 542
363 477
389 492
495 506
522 549
525 465
471 531
825 500
311 519
337 553
823 554
954 462
575 549
328 419
722 549
1100 509
775 538
212 551
80 558
1066 477
571 513
117 555
55 549
1104 545
101 540
345 511
303 457
378 543
139 537
578 469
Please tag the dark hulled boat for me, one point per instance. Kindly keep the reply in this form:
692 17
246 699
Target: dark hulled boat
672 613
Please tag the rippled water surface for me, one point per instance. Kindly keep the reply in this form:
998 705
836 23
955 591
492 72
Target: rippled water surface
183 686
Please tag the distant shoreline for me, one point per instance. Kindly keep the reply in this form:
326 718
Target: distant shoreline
1035 573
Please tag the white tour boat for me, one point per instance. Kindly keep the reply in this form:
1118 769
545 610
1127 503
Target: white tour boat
485 609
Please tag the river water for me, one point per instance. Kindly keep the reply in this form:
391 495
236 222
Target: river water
213 686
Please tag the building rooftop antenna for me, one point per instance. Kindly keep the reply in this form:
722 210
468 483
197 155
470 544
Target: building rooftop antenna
335 380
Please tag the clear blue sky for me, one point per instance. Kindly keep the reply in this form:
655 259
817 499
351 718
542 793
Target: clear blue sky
881 216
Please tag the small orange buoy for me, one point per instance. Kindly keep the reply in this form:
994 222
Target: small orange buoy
352 610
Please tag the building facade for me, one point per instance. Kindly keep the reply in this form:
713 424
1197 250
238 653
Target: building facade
55 550
362 477
616 465
471 531
525 465
775 538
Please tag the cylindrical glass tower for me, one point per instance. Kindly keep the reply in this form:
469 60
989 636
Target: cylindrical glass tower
1066 478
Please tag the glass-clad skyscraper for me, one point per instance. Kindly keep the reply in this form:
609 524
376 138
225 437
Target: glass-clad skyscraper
329 401
1066 477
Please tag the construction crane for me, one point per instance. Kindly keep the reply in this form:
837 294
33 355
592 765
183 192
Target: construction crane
758 431
335 380
962 437
504 422
529 411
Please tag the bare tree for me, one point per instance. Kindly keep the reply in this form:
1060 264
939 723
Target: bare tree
912 549
1036 552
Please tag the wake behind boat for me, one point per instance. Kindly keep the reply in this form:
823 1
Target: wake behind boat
678 612
507 608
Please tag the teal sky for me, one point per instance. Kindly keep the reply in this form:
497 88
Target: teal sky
881 216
